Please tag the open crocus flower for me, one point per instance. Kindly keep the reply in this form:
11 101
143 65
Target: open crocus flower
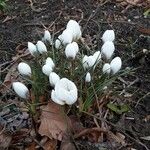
74 27
41 47
71 50
108 35
50 62
115 65
66 37
88 61
32 48
106 68
21 90
88 77
108 49
24 69
47 37
65 92
53 78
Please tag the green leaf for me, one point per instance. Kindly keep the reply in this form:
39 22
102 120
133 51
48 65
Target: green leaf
119 109
124 108
147 13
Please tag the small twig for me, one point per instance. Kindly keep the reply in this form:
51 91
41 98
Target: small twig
95 120
35 24
6 63
142 98
87 131
37 142
14 61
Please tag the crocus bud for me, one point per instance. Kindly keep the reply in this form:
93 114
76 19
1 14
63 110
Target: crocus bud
47 37
50 62
74 27
47 69
53 78
97 56
41 47
21 90
65 92
84 62
91 61
108 35
71 50
108 49
58 44
32 49
24 69
88 77
106 68
66 37
115 65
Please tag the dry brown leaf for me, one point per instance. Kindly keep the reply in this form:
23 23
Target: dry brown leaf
119 138
144 30
21 49
8 18
147 118
67 146
31 146
9 78
92 134
5 140
50 145
54 123
77 126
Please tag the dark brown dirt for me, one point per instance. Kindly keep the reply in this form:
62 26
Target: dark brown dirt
26 23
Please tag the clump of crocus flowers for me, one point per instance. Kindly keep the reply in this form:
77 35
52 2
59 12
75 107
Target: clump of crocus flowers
65 90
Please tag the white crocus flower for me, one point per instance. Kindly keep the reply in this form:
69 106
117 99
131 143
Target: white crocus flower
41 47
53 78
58 44
108 35
108 49
88 77
21 90
106 68
47 69
24 69
97 56
84 62
71 50
47 37
65 92
91 61
73 26
66 37
32 48
115 65
88 61
50 62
